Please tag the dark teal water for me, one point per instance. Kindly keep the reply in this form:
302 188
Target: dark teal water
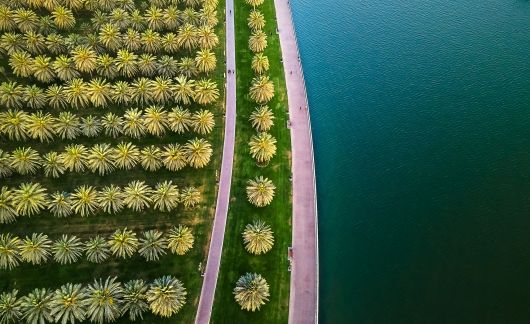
421 117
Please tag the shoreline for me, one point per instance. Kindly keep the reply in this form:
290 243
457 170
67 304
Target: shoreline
303 300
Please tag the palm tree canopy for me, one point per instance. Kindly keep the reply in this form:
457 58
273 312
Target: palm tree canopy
123 243
260 191
180 240
68 303
8 213
251 291
29 199
135 299
152 245
203 121
262 89
9 251
198 152
97 249
104 300
258 237
68 249
10 310
36 306
35 249
262 147
166 296
262 118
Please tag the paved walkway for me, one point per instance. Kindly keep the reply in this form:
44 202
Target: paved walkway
204 310
303 303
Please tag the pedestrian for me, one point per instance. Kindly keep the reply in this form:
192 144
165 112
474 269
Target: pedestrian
291 72
300 107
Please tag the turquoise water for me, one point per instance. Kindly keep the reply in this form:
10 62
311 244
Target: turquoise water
421 117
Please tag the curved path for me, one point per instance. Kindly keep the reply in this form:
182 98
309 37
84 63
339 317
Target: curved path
303 302
204 311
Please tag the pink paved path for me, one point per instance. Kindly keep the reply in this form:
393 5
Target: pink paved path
204 311
303 303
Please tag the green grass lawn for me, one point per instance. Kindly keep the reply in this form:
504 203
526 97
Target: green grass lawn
236 261
186 268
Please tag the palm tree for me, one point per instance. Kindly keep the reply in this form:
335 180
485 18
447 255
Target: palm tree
25 160
190 16
110 37
190 197
155 120
187 67
260 191
126 155
262 89
121 92
97 249
68 249
74 157
53 165
180 240
34 97
120 17
142 91
167 66
106 66
9 251
74 4
151 41
126 62
262 147
135 299
104 300
40 126
90 126
123 243
101 159
184 90
29 199
85 58
13 124
26 20
165 196
99 92
203 122
35 42
166 296
68 304
179 120
85 200
67 125
64 68
206 37
132 40
8 213
56 97
42 69
133 125
251 291
112 125
205 60
35 307
257 41
163 90
254 3
110 199
60 204
256 20
147 64
5 164
260 63
21 63
11 43
152 245
137 20
174 157
76 92
55 43
206 92
171 17
137 195
7 18
187 36
151 158
208 14
35 249
154 18
63 18
198 152
9 307
258 237
170 42
262 118
11 95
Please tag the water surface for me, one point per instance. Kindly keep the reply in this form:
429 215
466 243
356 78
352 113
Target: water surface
421 118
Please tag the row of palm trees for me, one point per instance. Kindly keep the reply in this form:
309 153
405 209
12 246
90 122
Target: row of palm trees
104 158
126 64
99 92
30 199
252 290
102 301
18 125
38 249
